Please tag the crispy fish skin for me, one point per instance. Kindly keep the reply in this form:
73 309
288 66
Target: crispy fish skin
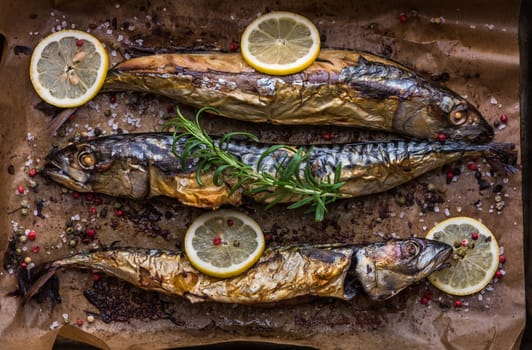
383 269
341 87
141 166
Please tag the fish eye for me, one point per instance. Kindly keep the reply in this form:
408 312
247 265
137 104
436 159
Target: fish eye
458 116
86 159
411 248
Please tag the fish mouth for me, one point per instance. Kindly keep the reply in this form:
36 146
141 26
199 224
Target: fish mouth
435 253
62 173
481 133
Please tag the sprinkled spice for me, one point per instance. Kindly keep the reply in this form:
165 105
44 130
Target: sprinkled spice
504 119
233 46
216 241
472 166
91 233
32 235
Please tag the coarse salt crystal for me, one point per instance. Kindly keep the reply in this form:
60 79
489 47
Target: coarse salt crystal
113 53
447 212
117 6
54 325
493 100
109 31
120 37
58 27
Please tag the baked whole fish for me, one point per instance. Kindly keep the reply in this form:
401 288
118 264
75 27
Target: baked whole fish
141 166
341 87
380 269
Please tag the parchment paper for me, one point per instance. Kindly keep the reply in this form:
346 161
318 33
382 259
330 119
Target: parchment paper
473 43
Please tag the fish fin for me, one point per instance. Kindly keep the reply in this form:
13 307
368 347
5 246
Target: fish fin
59 120
30 285
502 157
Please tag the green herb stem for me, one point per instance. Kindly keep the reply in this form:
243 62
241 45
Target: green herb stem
285 183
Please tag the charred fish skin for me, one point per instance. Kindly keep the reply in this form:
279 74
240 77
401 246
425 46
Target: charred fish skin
281 274
341 87
141 166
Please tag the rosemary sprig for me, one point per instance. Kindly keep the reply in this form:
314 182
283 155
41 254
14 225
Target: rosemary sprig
286 182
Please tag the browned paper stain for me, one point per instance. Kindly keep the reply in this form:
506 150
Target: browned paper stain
474 43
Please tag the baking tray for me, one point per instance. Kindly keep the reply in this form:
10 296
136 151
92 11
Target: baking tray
474 42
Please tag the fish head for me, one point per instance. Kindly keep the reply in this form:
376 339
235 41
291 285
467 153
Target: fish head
386 268
450 115
465 123
97 166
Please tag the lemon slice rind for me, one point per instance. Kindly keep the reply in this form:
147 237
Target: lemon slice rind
257 44
479 264
242 224
91 79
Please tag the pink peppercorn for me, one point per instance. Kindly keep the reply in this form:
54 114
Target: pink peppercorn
32 235
79 42
502 259
458 303
474 236
32 172
233 46
403 18
216 241
91 233
35 249
442 137
472 166
326 136
504 118
119 212
21 189
498 274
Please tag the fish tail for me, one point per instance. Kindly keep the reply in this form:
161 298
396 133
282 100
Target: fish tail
32 281
502 157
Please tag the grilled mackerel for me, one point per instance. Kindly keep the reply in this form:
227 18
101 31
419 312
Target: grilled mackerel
141 166
380 269
341 87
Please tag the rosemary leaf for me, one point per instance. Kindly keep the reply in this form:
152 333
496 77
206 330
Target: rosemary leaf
293 176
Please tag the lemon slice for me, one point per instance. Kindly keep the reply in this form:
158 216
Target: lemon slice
224 243
280 43
68 68
475 258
